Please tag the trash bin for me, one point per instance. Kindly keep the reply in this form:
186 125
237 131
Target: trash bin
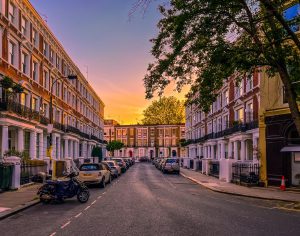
6 171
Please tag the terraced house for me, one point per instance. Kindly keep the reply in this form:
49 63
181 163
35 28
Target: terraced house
224 142
48 108
150 141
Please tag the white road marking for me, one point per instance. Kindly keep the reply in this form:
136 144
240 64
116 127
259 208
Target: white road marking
87 208
104 193
52 234
98 197
94 202
66 224
78 215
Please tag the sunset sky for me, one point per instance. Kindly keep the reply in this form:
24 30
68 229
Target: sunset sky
115 49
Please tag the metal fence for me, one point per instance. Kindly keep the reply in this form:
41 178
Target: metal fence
31 168
245 173
214 168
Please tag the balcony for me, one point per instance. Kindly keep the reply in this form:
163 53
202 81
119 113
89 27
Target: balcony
19 109
240 127
30 114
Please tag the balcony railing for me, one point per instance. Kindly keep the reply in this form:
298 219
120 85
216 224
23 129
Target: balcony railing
19 109
241 127
28 113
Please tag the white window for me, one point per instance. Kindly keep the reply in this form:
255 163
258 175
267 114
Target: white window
11 53
249 112
12 13
219 128
46 80
225 97
225 121
239 89
34 104
45 49
24 63
51 58
239 115
35 71
249 84
65 94
57 62
35 38
24 26
58 89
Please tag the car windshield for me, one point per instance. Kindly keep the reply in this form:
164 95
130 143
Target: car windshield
89 167
172 161
111 164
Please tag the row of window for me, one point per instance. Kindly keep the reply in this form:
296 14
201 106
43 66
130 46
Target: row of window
242 114
48 52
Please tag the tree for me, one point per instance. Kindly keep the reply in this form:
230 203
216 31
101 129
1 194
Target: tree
166 110
97 152
212 40
114 145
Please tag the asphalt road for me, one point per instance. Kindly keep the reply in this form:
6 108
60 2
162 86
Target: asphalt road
145 202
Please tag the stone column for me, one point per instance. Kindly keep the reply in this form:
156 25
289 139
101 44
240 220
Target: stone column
230 150
222 156
235 150
71 150
41 143
20 139
54 147
88 150
58 148
32 149
243 150
212 152
4 140
66 145
255 149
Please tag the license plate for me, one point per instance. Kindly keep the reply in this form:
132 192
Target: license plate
86 174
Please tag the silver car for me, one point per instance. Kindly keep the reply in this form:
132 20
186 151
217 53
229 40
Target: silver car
171 165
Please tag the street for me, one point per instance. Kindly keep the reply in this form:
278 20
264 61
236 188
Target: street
145 202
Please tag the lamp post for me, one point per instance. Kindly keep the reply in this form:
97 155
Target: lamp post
50 126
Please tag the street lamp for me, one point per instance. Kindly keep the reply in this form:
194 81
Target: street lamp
50 126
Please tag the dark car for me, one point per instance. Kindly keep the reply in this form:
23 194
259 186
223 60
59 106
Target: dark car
121 163
113 171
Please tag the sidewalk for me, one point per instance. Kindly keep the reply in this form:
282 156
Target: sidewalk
12 202
216 185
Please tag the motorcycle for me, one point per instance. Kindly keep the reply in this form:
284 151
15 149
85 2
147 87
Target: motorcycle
59 190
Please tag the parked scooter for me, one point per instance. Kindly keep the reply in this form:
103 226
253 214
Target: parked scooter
59 190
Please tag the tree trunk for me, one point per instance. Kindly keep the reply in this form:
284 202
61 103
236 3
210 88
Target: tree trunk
291 97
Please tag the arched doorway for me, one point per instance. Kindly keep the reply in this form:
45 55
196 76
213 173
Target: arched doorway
130 153
174 153
151 154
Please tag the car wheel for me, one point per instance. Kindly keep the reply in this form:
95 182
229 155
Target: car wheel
102 184
83 196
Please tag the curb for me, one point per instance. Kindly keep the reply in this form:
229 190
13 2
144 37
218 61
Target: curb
18 209
235 194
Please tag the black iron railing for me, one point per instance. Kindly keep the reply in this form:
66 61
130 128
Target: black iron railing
245 173
30 169
241 127
214 168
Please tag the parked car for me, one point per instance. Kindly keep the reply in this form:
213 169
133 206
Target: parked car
171 165
121 163
115 170
94 173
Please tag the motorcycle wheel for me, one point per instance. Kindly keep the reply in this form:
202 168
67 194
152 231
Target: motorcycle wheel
83 196
109 181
